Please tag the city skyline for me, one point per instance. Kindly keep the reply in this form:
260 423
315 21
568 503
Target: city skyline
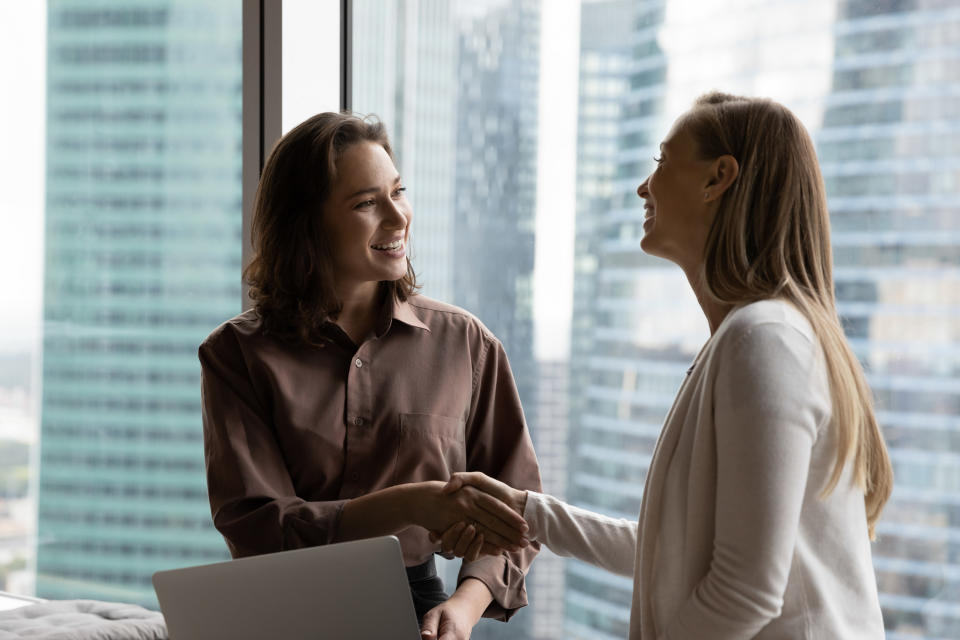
876 89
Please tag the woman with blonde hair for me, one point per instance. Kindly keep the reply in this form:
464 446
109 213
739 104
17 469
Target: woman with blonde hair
770 473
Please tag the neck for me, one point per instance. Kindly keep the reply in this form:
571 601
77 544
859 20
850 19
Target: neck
358 310
714 310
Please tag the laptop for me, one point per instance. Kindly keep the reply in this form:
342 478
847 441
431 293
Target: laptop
355 590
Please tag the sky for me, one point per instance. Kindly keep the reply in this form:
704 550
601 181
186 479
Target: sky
23 30
556 179
309 30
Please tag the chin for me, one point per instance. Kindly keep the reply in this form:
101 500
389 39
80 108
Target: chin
393 277
648 246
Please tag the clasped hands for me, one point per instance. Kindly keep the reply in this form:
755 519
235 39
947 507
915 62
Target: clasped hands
479 515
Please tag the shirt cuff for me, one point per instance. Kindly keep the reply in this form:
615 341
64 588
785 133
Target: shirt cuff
316 523
505 581
533 514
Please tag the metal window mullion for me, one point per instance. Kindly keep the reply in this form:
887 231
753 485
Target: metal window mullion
261 105
346 55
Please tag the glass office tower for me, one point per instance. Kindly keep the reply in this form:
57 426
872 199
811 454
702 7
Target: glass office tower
890 153
632 322
143 218
877 84
456 83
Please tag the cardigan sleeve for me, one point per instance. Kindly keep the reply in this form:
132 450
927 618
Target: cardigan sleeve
569 531
770 400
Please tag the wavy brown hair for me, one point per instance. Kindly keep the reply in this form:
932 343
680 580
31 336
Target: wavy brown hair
291 274
771 239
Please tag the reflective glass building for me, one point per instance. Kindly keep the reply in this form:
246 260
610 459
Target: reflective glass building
142 262
878 86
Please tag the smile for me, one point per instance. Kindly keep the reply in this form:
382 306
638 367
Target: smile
393 250
393 246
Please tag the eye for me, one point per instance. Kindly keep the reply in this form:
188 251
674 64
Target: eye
364 204
398 191
658 160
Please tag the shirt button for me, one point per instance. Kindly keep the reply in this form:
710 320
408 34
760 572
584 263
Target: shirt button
358 422
358 362
354 476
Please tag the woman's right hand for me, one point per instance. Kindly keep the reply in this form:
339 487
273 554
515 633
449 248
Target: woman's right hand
442 507
516 499
465 541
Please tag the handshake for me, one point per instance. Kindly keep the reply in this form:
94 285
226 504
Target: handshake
476 515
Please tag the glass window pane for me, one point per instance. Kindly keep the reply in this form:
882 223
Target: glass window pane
310 59
22 29
463 89
141 261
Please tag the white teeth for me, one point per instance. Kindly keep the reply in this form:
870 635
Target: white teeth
396 244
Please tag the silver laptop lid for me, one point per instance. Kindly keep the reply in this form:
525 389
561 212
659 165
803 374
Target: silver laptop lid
355 590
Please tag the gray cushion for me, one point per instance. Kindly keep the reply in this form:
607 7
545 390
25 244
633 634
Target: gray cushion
82 620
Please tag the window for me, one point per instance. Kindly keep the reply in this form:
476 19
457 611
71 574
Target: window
465 89
132 245
522 128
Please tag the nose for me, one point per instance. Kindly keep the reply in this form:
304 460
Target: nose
643 190
397 214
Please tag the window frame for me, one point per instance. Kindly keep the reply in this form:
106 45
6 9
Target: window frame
263 98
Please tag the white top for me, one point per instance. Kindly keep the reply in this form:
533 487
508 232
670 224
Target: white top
733 540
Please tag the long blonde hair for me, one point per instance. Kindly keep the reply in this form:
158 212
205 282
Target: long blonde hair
771 239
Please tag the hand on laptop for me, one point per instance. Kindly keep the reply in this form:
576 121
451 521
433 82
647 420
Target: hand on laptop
455 618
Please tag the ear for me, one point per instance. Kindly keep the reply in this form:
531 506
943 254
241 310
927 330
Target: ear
723 172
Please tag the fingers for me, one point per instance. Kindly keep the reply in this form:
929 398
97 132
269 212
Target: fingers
453 484
484 483
428 628
465 542
505 526
506 511
452 536
474 549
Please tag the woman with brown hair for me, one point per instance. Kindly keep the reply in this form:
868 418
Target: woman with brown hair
770 472
339 406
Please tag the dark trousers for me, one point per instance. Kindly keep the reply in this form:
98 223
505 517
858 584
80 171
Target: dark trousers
425 587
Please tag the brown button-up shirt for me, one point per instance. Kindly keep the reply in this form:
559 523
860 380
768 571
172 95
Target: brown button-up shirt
293 432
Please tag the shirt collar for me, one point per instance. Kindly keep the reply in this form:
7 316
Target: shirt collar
394 309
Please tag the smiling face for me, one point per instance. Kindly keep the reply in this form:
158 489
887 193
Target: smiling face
678 201
367 219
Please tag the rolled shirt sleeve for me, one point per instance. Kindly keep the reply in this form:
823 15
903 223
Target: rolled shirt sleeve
499 445
252 498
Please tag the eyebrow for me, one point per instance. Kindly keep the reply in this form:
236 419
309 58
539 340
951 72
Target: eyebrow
370 189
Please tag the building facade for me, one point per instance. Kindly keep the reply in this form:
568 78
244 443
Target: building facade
876 83
456 83
142 261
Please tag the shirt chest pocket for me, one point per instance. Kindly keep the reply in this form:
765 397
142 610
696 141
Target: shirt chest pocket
431 447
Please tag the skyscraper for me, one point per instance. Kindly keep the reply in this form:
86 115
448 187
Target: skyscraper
142 236
620 386
457 85
405 69
890 154
876 84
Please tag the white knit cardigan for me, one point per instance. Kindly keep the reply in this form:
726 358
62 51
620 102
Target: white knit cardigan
734 540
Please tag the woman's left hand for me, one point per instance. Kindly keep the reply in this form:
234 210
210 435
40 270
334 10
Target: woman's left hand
455 618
